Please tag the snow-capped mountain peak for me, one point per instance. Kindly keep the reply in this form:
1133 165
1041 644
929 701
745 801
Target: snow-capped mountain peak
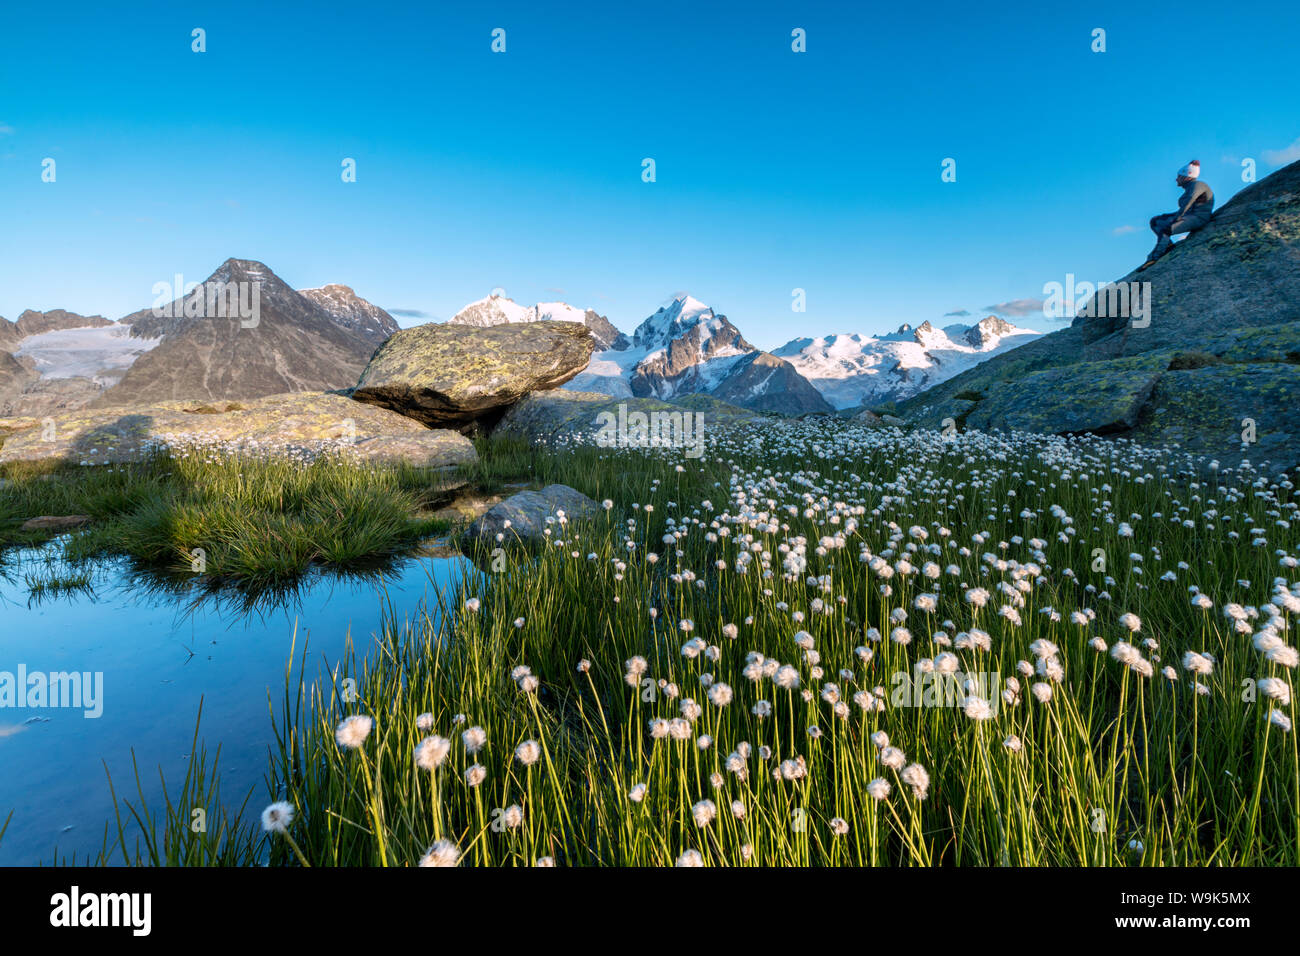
850 370
499 310
687 348
681 315
494 310
990 330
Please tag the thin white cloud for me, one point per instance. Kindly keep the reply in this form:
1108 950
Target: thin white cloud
1123 230
1016 307
1280 157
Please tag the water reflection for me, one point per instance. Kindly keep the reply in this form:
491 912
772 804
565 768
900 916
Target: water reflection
162 644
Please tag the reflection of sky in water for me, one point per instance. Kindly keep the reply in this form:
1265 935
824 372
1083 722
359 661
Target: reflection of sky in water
159 653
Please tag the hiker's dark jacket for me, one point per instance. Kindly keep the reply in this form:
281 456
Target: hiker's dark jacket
1196 202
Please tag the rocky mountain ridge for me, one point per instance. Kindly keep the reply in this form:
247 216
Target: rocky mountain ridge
1205 357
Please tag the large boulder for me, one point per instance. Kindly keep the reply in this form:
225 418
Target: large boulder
1220 345
459 376
302 424
525 517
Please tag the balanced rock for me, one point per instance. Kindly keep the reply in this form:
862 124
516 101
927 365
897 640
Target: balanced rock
459 376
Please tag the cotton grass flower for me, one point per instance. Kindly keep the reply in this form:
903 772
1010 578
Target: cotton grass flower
528 752
431 752
916 777
1275 689
1282 655
512 817
704 812
474 739
277 817
352 731
441 853
892 757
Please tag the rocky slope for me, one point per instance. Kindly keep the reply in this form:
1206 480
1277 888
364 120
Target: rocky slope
855 370
349 311
301 424
686 348
312 341
500 310
1215 361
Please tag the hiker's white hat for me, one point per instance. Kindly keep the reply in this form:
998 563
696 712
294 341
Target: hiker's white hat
1192 170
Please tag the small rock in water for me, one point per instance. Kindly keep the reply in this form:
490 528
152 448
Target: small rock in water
523 517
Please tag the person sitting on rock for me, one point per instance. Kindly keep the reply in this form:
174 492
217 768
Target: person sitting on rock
1195 207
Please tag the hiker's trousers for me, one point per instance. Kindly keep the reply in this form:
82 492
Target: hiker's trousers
1171 224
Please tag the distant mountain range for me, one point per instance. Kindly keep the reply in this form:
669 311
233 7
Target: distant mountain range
853 370
313 340
26 388
320 339
687 348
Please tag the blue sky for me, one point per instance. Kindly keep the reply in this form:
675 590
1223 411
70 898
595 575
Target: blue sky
522 170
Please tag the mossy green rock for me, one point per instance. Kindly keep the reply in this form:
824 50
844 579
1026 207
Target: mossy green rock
1209 411
459 376
1098 397
944 413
